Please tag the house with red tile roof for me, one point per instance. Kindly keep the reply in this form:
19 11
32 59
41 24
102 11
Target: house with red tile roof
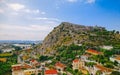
79 64
51 72
75 64
26 66
34 62
30 71
93 52
60 67
17 69
104 70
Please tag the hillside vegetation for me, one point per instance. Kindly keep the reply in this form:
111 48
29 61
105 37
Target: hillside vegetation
67 33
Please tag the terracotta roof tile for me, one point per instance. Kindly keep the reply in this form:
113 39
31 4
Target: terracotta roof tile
33 60
117 57
60 65
76 60
51 72
93 51
102 68
15 68
26 66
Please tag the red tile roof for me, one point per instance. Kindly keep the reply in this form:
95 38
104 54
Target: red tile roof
26 66
51 72
33 60
15 68
103 69
76 60
93 51
60 65
117 57
19 67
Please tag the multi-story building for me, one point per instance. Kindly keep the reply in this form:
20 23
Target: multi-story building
78 64
30 71
60 67
17 69
75 64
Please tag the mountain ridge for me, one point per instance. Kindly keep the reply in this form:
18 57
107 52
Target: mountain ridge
67 33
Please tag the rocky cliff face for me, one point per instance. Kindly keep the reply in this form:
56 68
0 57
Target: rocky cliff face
68 33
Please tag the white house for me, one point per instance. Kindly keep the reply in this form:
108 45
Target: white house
116 58
7 50
107 47
17 69
60 67
23 46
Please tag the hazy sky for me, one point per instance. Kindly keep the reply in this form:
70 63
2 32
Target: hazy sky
34 19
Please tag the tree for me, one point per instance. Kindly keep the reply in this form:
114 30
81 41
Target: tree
18 48
117 32
76 70
98 72
90 64
115 73
113 31
43 58
64 74
0 51
39 73
109 65
115 63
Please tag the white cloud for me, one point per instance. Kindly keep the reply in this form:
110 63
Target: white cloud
25 28
26 32
1 11
14 13
36 11
16 6
82 1
43 12
47 19
51 22
72 1
20 8
40 18
90 1
32 11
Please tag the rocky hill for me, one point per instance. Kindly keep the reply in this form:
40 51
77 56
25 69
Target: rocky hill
68 33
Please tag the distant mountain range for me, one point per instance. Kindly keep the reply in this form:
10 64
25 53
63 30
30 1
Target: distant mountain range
68 33
19 41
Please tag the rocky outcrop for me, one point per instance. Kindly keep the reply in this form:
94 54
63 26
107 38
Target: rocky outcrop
68 33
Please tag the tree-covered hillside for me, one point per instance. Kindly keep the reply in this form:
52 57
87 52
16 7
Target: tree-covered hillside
68 33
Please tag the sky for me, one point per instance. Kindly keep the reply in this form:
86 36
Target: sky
34 19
